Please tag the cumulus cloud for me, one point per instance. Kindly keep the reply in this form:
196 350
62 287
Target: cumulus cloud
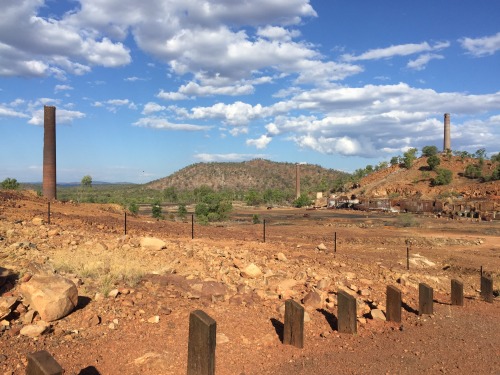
32 45
59 88
63 116
260 142
483 46
152 107
113 105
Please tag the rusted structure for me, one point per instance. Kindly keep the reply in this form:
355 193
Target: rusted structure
447 136
373 204
420 205
49 152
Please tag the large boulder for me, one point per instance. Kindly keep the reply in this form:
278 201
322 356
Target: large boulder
53 297
152 243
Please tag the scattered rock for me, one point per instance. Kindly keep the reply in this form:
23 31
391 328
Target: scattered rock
37 221
35 330
221 338
52 296
251 271
6 305
321 247
154 319
377 314
152 244
312 300
281 257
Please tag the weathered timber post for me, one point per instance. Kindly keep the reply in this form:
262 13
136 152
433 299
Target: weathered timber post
125 224
425 299
393 303
335 243
264 230
293 333
457 292
487 288
347 319
201 346
42 363
407 257
48 213
192 226
49 153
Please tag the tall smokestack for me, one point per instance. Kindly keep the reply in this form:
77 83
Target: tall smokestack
447 137
49 152
297 180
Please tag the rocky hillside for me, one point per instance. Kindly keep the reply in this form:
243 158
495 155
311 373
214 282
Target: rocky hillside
397 181
257 174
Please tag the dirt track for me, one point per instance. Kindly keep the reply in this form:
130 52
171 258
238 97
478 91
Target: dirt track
371 253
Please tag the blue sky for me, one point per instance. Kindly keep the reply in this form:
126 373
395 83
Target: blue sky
143 89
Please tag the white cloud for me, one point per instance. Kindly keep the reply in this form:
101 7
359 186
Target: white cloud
112 105
9 112
151 107
207 158
277 33
238 113
259 143
171 95
398 50
164 124
484 46
421 62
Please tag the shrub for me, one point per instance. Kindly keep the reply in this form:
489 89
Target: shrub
255 219
444 177
182 211
302 201
433 161
472 171
429 151
133 208
156 210
395 160
407 220
10 184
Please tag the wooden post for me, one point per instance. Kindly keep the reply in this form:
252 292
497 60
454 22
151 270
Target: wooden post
264 230
393 303
42 363
293 333
457 292
125 224
347 319
192 226
407 257
487 288
48 213
201 346
335 243
425 299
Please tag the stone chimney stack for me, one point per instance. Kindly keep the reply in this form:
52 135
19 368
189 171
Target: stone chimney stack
447 137
49 153
297 180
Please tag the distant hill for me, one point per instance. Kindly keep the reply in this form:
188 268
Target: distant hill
256 174
397 181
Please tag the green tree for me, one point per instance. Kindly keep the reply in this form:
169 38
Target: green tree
433 161
156 210
495 176
86 181
253 198
429 151
10 184
214 207
444 177
302 201
495 158
395 160
170 194
409 157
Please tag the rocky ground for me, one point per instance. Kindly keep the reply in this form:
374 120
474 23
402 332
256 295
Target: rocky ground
136 291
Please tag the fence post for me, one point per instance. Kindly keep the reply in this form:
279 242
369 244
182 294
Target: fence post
457 292
347 319
264 230
42 363
393 303
125 224
335 243
48 213
425 299
201 346
293 333
487 288
192 226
